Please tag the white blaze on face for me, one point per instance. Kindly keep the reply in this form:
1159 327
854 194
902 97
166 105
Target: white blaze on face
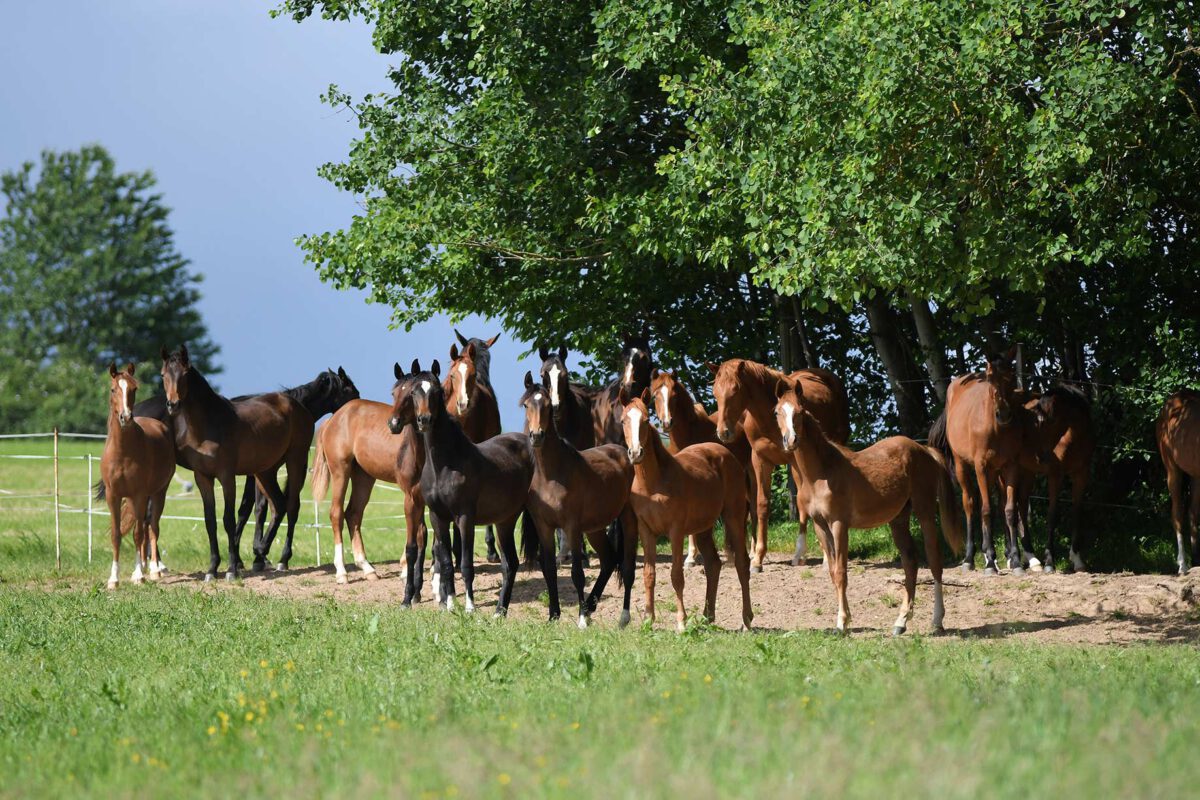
462 385
629 366
425 387
123 385
554 373
789 421
666 394
635 429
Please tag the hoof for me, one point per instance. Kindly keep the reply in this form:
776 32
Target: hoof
624 618
1048 569
208 577
756 567
798 561
582 623
341 579
258 566
112 586
493 558
680 627
155 576
138 581
281 566
407 604
898 630
372 575
230 576
690 562
939 630
990 571
1018 571
967 566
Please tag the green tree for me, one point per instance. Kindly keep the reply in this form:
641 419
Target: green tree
89 273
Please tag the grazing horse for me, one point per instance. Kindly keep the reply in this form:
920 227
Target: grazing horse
355 449
1178 435
137 465
745 392
1058 444
463 482
983 428
471 399
219 440
686 423
679 495
580 493
889 481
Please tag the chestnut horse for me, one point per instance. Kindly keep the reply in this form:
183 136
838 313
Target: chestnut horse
355 449
890 481
745 392
1059 443
580 493
463 482
219 440
1178 435
137 466
471 399
686 423
983 427
680 495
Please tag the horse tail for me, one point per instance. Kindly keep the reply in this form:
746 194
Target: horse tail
952 521
616 539
99 489
939 442
531 546
320 473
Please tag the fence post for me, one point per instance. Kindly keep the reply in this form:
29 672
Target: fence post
57 534
89 510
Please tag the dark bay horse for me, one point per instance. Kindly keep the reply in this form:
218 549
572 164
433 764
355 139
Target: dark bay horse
983 427
888 482
471 400
680 495
580 493
463 482
1177 433
686 422
745 393
136 467
1059 443
219 440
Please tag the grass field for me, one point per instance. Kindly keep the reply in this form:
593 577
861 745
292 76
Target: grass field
178 691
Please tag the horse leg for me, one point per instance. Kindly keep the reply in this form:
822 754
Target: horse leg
712 572
489 538
985 520
968 500
692 552
245 507
114 513
139 504
762 471
1078 484
575 540
841 547
466 526
1193 518
549 563
457 544
735 534
509 561
297 467
933 555
229 494
902 536
414 557
677 580
204 485
1012 548
560 541
649 556
608 564
445 563
269 482
801 555
1177 485
1054 487
156 512
629 524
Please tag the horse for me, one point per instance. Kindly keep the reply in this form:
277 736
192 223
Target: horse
471 399
686 423
355 449
136 466
890 481
1058 444
218 440
745 392
679 495
983 428
463 482
634 378
1177 433
580 493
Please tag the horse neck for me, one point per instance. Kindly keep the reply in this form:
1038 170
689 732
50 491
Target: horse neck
817 456
314 402
549 457
758 382
445 441
118 436
656 461
686 425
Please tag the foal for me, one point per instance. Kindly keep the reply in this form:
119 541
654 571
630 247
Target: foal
580 493
682 495
463 482
137 466
887 482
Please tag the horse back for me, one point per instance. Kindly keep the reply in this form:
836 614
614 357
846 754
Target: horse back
362 436
1178 432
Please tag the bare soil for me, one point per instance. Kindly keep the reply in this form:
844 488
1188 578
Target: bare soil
1077 608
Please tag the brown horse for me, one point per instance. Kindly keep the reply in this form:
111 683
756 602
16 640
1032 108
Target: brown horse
137 466
355 449
1178 435
983 427
579 492
1059 443
471 400
889 481
687 423
680 495
745 393
219 440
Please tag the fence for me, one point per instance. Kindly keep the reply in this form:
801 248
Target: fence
63 499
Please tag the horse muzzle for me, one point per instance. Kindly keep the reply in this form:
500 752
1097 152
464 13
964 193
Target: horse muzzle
424 421
395 425
172 407
462 407
666 424
536 438
124 418
725 435
787 444
636 456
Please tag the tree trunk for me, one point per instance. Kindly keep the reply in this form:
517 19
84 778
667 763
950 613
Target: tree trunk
907 386
810 354
931 348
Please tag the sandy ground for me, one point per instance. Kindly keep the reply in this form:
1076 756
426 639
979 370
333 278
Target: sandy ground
1078 608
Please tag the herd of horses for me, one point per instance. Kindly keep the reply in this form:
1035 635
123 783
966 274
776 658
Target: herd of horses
590 468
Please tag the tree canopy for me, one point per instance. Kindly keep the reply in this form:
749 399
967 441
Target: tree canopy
89 273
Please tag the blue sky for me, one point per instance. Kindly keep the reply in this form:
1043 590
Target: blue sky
222 103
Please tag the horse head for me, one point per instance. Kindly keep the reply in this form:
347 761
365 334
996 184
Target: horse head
555 377
122 393
538 411
175 370
462 378
730 397
789 411
635 423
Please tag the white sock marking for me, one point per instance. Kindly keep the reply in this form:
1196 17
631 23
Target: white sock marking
339 562
470 605
554 373
582 622
115 575
1077 562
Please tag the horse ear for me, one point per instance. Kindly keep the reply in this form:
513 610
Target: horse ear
528 379
397 371
342 374
654 374
183 354
645 397
469 353
436 369
781 387
562 353
112 369
712 367
454 352
130 368
493 340
622 396
461 338
543 353
164 352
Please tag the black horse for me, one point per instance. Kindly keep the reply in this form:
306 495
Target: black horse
463 483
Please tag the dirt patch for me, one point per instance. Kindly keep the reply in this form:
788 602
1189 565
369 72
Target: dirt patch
1078 608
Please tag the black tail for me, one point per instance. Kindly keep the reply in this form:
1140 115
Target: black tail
939 442
616 538
531 548
98 488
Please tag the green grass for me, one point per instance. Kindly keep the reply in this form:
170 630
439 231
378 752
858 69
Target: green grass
179 692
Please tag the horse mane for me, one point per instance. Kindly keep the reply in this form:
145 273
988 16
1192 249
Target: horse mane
483 361
1066 394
